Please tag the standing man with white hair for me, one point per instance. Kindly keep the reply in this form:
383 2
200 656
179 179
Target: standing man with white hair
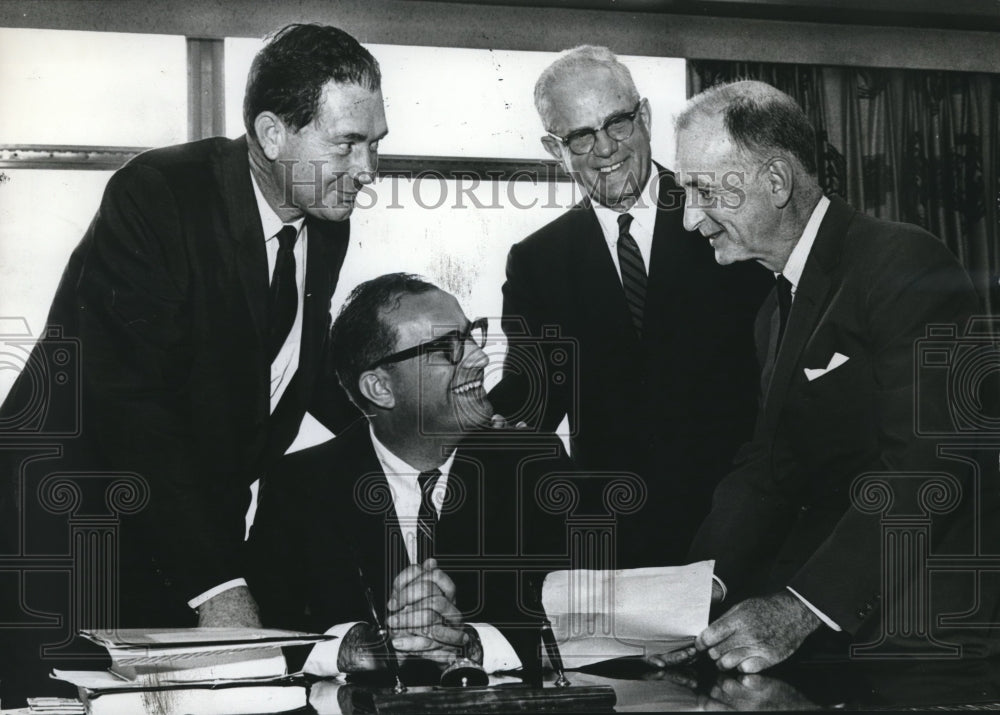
663 385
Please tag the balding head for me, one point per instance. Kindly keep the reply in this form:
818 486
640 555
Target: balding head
759 119
746 155
598 128
572 64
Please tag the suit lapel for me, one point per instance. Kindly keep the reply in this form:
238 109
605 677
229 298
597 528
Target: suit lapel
246 232
811 298
606 312
670 257
327 246
458 529
362 508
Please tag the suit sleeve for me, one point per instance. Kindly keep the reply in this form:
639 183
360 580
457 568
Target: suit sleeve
749 520
136 354
278 545
843 577
528 390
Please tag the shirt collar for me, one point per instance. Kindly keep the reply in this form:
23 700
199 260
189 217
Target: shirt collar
395 466
269 220
796 262
643 212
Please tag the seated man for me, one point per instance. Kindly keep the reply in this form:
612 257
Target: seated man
424 499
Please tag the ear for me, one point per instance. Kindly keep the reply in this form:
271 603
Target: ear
271 133
376 388
553 146
780 181
645 115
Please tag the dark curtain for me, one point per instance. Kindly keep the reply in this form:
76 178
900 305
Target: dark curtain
903 145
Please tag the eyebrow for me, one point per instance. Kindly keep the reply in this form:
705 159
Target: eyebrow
604 121
358 137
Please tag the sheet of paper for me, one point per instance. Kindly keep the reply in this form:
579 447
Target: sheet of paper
150 644
600 615
102 680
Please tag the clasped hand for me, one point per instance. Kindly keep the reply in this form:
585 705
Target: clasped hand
422 617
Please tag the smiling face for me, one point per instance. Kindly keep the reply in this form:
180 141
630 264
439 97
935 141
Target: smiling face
442 398
728 199
320 168
613 173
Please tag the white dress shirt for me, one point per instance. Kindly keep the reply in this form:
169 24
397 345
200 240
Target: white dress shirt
287 360
498 654
796 262
643 221
405 491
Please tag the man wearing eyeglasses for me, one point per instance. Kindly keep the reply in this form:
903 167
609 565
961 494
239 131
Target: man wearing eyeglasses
664 385
433 506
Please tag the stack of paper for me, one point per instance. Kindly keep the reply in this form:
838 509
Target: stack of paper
202 671
600 615
102 693
167 655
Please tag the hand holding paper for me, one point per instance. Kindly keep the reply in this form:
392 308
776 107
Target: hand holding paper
600 615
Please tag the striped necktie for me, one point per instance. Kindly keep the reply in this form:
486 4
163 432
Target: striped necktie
633 272
427 516
284 295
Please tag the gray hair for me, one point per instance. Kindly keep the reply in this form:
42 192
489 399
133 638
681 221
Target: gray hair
584 56
758 118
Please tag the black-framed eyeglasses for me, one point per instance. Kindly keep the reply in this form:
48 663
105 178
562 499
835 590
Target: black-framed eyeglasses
618 126
450 344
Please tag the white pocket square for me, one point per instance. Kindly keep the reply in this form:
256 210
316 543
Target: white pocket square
836 361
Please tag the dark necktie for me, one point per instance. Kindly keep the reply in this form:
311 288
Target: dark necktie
427 516
784 289
284 293
633 272
779 319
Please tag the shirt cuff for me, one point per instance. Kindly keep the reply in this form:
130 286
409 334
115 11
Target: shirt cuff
323 657
498 653
213 592
721 585
819 614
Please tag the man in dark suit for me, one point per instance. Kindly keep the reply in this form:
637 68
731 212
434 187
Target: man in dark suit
436 508
619 318
199 303
799 525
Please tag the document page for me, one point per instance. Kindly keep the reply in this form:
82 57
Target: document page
600 615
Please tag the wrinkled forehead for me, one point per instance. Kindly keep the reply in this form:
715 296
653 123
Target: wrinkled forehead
351 108
586 96
705 149
421 317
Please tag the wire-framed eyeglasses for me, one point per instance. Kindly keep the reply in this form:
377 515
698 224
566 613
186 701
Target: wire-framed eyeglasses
450 344
618 126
